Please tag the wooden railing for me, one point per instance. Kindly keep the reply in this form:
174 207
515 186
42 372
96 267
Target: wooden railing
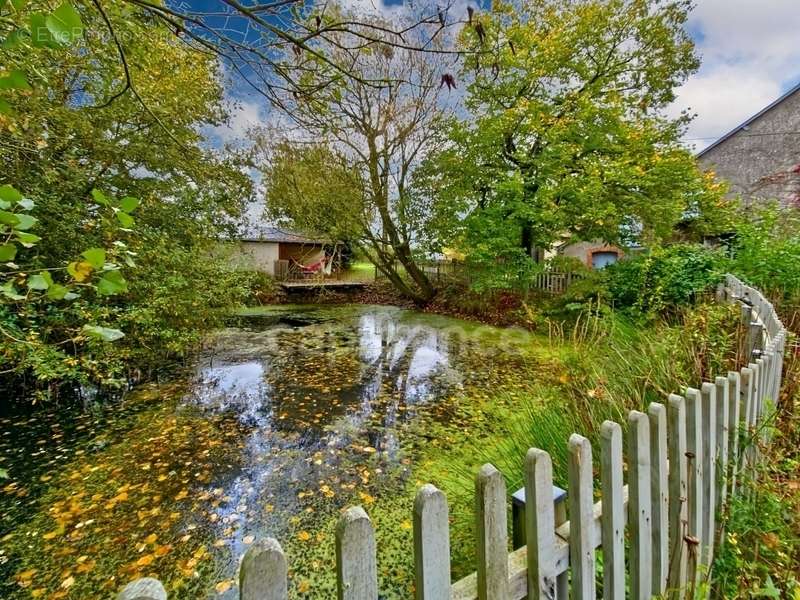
685 460
556 282
549 280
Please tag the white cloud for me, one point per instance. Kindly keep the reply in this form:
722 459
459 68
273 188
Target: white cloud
750 56
244 115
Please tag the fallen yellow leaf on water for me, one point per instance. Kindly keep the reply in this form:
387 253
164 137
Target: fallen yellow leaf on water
249 539
145 560
85 567
304 536
223 586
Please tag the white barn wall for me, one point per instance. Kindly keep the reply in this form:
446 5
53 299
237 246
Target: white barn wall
257 256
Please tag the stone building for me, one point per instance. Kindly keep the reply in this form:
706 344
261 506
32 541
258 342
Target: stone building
760 159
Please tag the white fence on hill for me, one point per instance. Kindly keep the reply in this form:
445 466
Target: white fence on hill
685 459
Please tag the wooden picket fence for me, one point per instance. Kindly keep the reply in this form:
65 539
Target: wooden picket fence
685 458
549 281
556 282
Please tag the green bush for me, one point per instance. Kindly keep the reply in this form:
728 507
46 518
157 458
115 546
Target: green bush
767 252
664 278
760 552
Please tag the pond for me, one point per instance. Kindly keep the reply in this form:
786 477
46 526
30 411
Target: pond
289 415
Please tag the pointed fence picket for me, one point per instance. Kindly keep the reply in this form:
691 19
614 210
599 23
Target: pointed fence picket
685 461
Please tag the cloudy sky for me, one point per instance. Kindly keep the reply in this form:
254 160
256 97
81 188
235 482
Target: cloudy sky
750 54
750 51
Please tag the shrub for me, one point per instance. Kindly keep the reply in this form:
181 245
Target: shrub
665 278
766 251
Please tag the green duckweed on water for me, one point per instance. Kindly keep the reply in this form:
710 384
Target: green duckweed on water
292 414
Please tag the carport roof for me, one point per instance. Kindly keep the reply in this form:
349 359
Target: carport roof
277 235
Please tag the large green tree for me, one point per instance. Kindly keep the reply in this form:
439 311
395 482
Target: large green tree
83 121
363 141
566 133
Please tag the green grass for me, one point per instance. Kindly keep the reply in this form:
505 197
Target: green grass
760 553
360 270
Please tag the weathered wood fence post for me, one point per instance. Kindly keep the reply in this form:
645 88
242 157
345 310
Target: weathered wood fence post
357 570
581 512
262 574
491 530
431 545
143 589
613 517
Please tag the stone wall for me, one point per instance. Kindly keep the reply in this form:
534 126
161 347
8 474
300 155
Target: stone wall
758 161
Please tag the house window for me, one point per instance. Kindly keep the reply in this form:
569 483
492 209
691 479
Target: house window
602 258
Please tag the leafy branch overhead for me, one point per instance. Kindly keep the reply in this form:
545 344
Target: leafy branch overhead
95 269
254 40
102 105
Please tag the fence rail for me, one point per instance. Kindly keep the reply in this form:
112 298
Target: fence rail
550 281
685 460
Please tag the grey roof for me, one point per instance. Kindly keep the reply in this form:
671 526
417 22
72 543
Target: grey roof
744 125
275 234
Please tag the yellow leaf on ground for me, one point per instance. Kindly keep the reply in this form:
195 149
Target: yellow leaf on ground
303 586
80 271
182 494
223 586
67 583
304 536
249 539
145 560
150 538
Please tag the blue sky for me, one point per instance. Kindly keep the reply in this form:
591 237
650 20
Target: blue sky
750 54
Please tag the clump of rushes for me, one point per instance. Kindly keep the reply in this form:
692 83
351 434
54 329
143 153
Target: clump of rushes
760 554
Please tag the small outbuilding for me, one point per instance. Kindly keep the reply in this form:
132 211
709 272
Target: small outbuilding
271 249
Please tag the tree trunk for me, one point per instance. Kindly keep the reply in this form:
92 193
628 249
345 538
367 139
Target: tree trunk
401 251
413 293
418 276
527 239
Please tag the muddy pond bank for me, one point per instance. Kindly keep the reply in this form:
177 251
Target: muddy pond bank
291 414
